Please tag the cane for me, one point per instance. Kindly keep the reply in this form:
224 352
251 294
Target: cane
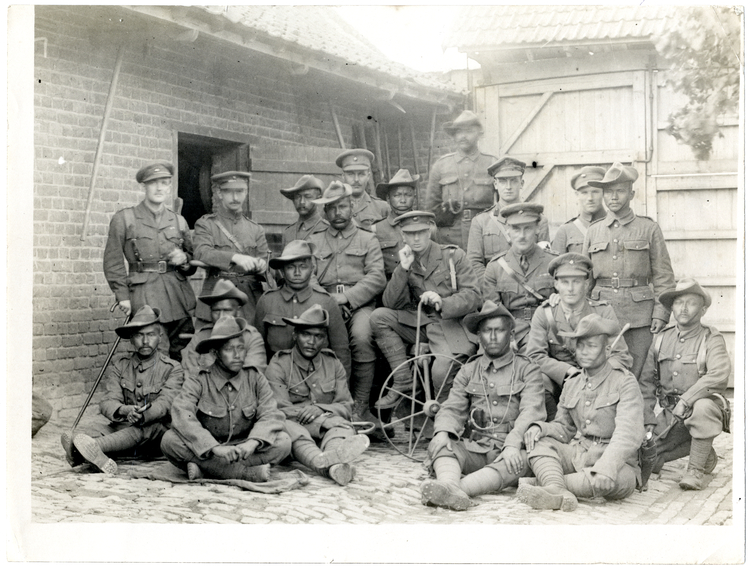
101 373
620 335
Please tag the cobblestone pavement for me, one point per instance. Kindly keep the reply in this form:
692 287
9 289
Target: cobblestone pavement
385 491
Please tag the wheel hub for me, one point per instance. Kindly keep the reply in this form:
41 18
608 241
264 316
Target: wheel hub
431 408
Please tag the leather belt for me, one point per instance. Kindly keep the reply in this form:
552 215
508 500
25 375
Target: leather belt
596 439
233 274
153 267
617 282
525 313
337 288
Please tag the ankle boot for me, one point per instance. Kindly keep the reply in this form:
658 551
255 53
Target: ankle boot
90 450
394 351
72 455
217 468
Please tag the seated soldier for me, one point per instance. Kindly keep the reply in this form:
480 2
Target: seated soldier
139 388
296 294
686 370
224 300
494 397
518 277
225 422
554 354
591 448
312 390
441 278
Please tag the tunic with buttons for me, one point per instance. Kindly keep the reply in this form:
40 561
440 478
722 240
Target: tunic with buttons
132 381
368 209
391 241
193 362
603 415
302 229
569 236
149 239
628 248
507 390
677 374
215 408
284 302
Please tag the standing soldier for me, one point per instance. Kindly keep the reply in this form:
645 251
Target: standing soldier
687 369
489 233
631 263
459 186
356 167
519 278
233 246
440 277
157 248
350 267
310 221
569 237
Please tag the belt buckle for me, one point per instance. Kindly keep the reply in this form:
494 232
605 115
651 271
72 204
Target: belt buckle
162 267
527 313
340 289
615 282
467 214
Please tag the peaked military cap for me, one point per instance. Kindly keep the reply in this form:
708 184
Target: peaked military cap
154 171
224 289
507 167
232 180
416 220
466 119
522 212
593 325
684 286
570 264
590 173
145 316
354 159
617 174
226 328
294 250
334 193
489 310
314 317
305 182
402 178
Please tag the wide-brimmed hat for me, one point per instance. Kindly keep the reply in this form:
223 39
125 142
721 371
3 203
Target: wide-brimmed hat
232 180
466 119
590 173
570 264
507 167
415 221
144 316
615 175
154 171
522 213
334 193
294 250
684 286
402 178
593 325
223 289
226 328
314 317
355 159
489 310
305 182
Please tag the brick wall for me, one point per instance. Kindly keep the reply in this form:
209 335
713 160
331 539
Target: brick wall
162 83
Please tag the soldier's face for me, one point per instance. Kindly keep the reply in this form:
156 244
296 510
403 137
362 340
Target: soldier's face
158 190
417 241
590 199
495 335
310 341
231 354
508 188
297 273
146 340
232 199
303 201
591 352
617 197
688 309
358 179
523 237
401 199
225 307
572 290
467 138
339 213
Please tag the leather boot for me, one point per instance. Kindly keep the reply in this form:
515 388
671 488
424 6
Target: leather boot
72 455
90 450
700 451
363 374
394 351
217 468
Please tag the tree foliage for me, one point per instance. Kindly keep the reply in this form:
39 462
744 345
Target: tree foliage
703 48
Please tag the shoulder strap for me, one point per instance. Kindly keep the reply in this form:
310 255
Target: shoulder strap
517 278
547 310
229 236
129 217
703 353
503 228
452 267
578 224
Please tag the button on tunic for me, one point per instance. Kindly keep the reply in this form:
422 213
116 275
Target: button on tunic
302 229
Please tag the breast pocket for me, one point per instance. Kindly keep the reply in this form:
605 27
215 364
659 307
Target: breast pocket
597 247
449 187
213 410
249 411
606 411
494 242
172 234
637 257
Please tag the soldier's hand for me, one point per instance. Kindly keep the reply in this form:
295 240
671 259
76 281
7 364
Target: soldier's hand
681 409
513 459
554 299
124 307
260 264
439 441
657 325
227 453
177 257
406 257
124 411
309 414
533 434
601 483
135 416
432 298
246 263
247 449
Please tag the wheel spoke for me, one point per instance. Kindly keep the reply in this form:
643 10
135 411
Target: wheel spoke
407 417
404 395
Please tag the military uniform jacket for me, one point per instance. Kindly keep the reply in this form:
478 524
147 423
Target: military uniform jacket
555 355
405 289
149 239
489 235
677 373
326 386
508 390
603 413
463 178
368 209
193 362
132 381
391 241
285 302
214 408
302 229
352 258
569 237
630 247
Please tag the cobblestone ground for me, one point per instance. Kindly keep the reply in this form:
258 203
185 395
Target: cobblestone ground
386 490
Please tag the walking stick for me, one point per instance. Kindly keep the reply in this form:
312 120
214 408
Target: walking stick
101 373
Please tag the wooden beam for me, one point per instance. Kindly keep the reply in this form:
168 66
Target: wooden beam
586 82
605 157
529 189
336 125
261 165
387 154
525 124
432 140
697 183
676 235
398 133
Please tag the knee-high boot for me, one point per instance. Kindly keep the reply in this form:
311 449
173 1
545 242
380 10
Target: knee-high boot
394 351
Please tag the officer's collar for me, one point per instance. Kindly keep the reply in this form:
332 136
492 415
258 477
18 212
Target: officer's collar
288 293
229 215
497 363
141 364
628 218
302 362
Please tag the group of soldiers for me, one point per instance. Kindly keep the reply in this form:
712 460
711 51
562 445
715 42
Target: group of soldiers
550 359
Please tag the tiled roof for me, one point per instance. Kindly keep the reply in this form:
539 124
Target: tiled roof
487 27
321 29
